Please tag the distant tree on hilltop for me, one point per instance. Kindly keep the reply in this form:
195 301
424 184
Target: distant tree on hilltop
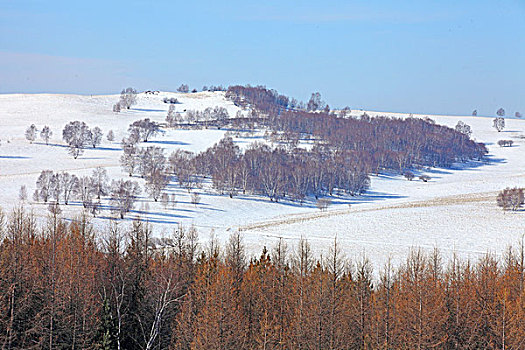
183 88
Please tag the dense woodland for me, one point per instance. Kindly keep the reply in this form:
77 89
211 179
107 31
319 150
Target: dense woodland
376 143
67 285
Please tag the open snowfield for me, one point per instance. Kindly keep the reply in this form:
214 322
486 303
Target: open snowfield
455 211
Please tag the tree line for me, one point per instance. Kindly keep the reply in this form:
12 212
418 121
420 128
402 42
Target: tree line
66 284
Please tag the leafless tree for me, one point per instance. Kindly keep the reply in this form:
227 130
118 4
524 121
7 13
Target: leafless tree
182 165
165 200
111 136
499 123
124 195
156 182
128 97
116 107
505 143
463 128
152 161
424 178
99 182
409 175
323 203
145 128
315 103
56 187
96 136
84 190
183 88
195 198
46 134
43 185
22 194
76 134
129 159
69 186
500 112
511 198
171 118
518 115
54 208
474 112
31 133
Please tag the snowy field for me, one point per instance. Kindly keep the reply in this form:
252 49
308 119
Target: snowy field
455 211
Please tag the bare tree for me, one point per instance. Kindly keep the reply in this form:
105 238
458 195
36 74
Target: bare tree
145 128
474 112
31 133
463 128
111 136
76 134
424 178
183 88
124 195
505 143
96 136
54 208
84 190
129 159
43 185
117 107
323 203
165 200
155 183
518 115
152 161
69 185
511 198
46 134
99 182
22 194
499 123
128 97
195 198
56 187
171 118
500 112
315 103
409 175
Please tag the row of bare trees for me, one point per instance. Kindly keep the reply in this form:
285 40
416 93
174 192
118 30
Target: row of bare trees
63 187
67 285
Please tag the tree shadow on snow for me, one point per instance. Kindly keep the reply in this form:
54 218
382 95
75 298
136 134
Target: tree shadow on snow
14 157
174 143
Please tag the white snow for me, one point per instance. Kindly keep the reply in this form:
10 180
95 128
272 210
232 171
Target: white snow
456 211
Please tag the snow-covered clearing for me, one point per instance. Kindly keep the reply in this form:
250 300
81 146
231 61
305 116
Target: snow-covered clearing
455 211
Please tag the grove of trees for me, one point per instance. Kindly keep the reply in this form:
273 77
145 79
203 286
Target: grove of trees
67 284
77 135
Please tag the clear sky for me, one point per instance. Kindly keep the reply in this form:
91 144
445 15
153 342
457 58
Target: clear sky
413 56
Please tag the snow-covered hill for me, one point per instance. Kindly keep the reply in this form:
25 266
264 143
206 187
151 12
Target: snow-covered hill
455 211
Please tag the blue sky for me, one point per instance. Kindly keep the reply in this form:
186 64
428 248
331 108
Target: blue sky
413 56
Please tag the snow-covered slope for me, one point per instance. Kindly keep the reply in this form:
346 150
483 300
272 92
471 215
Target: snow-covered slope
455 211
